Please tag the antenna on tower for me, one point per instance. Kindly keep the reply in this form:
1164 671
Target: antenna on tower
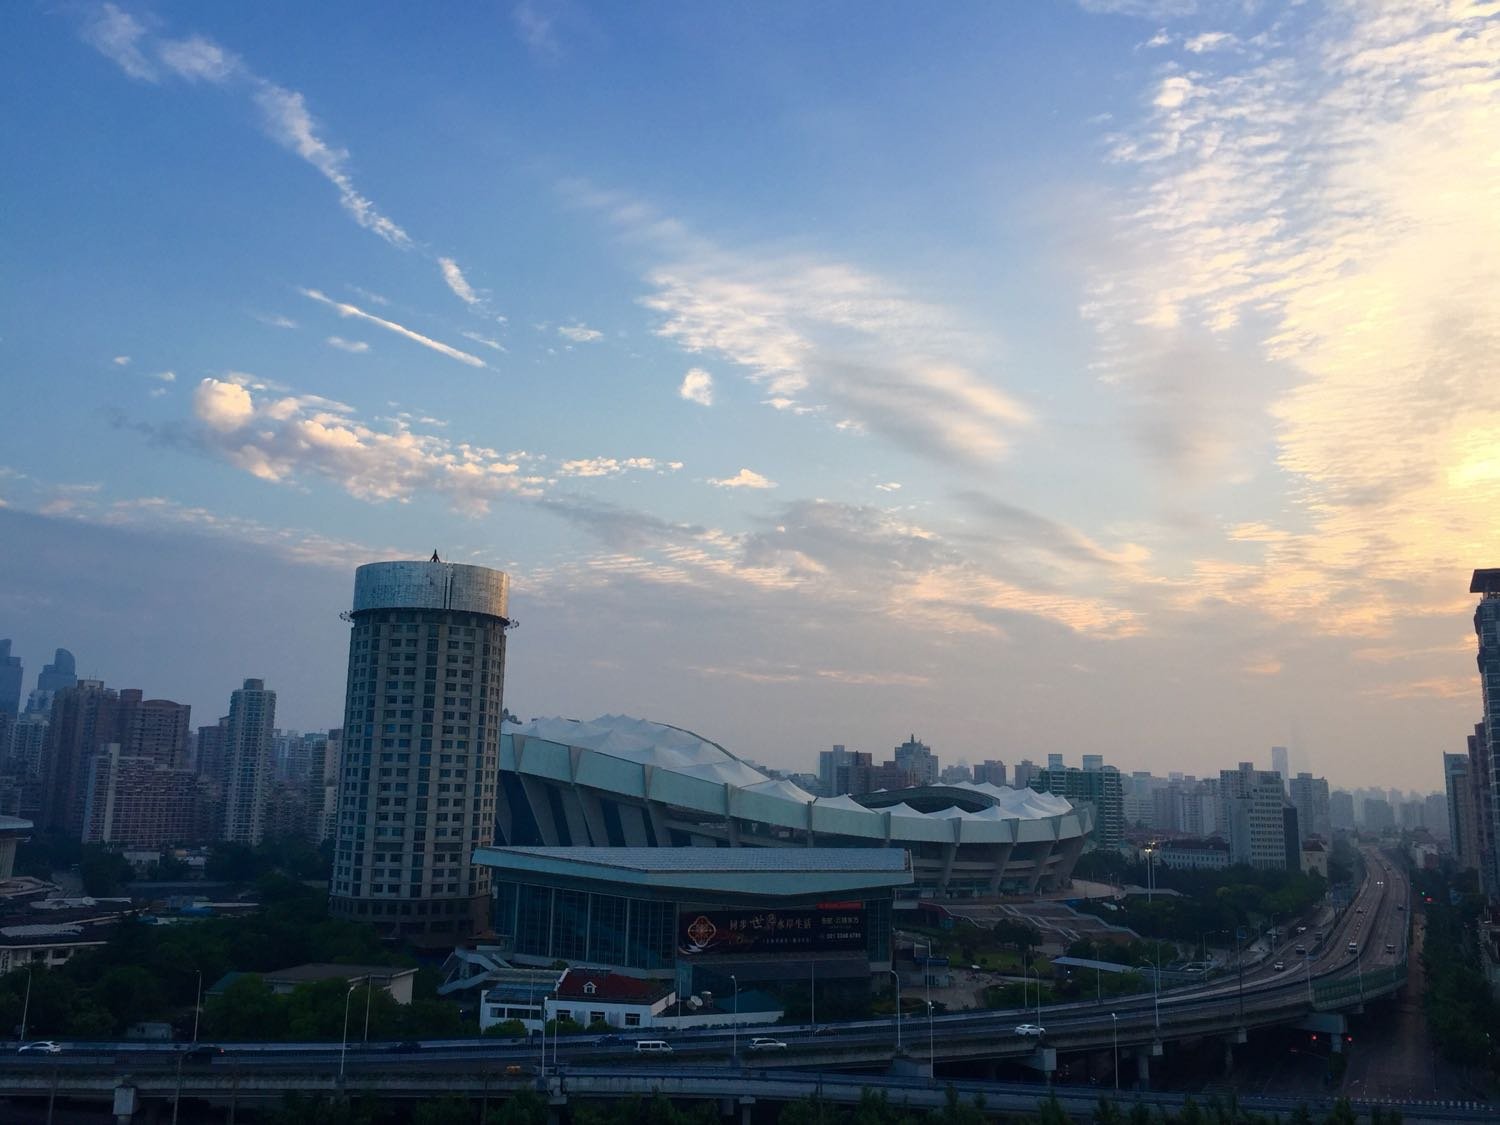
434 556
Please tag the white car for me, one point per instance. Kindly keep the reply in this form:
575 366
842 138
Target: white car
1278 966
763 1044
40 1047
1034 1029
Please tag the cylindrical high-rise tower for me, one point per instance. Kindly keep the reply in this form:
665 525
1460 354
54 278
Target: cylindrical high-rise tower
416 786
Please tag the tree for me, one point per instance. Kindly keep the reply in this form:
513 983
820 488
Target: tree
506 1029
524 1107
130 994
104 873
451 1109
248 1010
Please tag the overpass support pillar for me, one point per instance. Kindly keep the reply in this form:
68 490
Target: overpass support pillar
1143 1070
1228 1057
747 1108
1043 1059
126 1103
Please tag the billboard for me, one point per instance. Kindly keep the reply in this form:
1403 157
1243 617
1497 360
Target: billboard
828 927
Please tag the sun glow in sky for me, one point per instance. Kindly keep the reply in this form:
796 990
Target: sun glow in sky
1114 378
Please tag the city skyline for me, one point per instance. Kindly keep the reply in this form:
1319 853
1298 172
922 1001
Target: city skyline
1023 377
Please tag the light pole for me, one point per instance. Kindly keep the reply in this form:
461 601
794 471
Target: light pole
1150 853
198 1004
897 978
1239 958
1115 1024
734 1040
344 1046
26 1004
812 996
1307 966
927 997
369 992
1156 988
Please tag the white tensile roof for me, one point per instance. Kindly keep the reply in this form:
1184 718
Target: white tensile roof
709 775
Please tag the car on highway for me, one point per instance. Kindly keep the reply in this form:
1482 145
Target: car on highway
1300 951
1276 968
607 1041
764 1043
1034 1030
1359 910
1401 906
1353 948
404 1046
40 1047
203 1052
1390 947
1302 929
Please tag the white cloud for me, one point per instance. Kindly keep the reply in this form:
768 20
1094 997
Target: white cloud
579 333
118 35
535 27
275 321
745 478
609 466
457 282
487 341
198 59
166 376
288 121
697 386
1209 41
283 437
889 486
356 346
347 310
284 112
1319 216
121 361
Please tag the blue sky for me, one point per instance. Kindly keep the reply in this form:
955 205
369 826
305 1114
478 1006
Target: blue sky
1102 377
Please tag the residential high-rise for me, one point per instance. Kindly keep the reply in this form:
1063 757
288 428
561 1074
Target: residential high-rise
1279 763
1310 795
1484 805
1101 788
154 728
1252 803
919 759
833 770
1486 583
1055 762
1378 814
137 801
421 727
247 762
1341 810
83 718
10 681
1093 761
1025 770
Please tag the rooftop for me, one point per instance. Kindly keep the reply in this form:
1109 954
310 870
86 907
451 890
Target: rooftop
718 860
602 984
305 974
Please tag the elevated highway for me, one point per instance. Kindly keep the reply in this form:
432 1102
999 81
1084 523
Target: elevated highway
1314 990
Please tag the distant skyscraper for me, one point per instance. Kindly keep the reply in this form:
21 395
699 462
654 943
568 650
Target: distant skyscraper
1310 795
1341 810
1055 761
833 770
61 673
10 681
919 759
154 728
1093 761
1486 583
1103 789
1378 814
421 748
247 762
1279 763
1025 771
990 771
135 801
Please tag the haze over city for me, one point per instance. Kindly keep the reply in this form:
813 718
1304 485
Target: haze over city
1106 378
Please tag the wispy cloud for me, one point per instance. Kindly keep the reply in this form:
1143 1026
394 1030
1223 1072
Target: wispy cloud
166 376
118 35
745 478
343 308
121 361
454 277
533 20
579 333
697 386
820 334
275 321
487 341
356 346
1321 208
284 113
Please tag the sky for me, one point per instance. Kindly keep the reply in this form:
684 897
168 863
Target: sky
1110 377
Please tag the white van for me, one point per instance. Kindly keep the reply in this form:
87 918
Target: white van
652 1047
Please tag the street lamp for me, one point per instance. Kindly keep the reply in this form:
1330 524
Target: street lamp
1239 958
927 996
1149 851
26 1004
369 992
734 1049
344 1046
198 1004
1155 987
897 978
1115 1023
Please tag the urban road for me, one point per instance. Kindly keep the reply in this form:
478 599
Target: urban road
1310 990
